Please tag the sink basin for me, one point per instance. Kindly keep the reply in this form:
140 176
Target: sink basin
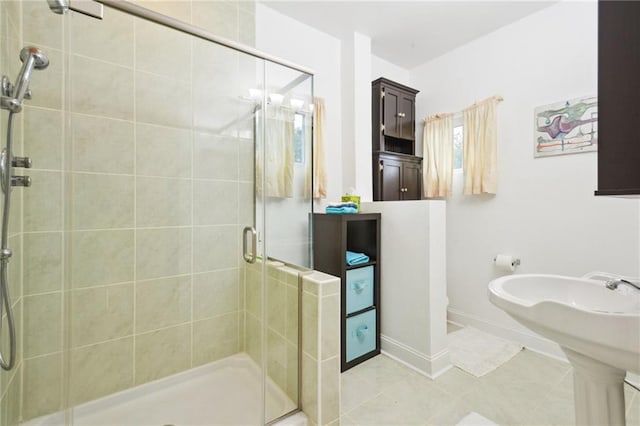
578 314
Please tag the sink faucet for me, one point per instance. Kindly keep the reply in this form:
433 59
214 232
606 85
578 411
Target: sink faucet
614 283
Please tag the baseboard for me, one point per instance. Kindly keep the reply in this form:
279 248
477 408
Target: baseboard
430 366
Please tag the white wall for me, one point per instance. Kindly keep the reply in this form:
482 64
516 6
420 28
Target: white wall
383 68
545 211
413 283
287 38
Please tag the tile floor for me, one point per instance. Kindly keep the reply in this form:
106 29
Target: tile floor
530 389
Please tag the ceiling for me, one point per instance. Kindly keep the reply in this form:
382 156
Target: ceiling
408 33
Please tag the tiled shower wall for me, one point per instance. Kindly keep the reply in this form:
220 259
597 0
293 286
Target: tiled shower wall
155 199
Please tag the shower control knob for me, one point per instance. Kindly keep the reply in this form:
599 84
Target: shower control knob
5 254
20 181
22 162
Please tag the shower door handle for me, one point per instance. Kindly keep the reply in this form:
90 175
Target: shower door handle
249 257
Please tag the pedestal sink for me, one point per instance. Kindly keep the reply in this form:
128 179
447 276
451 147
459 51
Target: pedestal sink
597 328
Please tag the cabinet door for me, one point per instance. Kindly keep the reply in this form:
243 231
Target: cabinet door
406 113
618 92
391 104
411 181
391 179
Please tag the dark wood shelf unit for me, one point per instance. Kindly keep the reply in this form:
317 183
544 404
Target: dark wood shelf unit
618 91
334 234
393 130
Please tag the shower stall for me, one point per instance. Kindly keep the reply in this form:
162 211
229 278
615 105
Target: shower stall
158 226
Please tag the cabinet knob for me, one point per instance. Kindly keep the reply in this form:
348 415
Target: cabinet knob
400 114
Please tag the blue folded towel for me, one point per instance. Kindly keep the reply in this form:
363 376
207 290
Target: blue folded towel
341 210
343 204
354 258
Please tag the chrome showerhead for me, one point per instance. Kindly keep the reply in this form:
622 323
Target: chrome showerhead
40 60
32 58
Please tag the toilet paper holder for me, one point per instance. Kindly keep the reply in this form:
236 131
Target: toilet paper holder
516 262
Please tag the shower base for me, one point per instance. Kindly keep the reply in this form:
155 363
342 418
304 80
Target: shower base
225 392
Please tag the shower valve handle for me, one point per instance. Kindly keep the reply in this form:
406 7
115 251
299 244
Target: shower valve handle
22 162
20 181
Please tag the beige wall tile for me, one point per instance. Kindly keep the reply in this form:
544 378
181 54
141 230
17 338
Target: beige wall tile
215 247
101 369
276 305
171 60
41 27
215 293
162 100
100 88
247 28
101 313
330 397
6 377
102 201
178 9
43 258
108 39
43 202
246 203
42 386
42 324
162 303
253 291
163 201
43 137
163 151
330 327
277 359
215 338
15 268
215 202
310 325
163 252
253 338
215 156
309 391
163 352
219 17
292 372
102 144
101 257
291 314
13 397
46 85
246 159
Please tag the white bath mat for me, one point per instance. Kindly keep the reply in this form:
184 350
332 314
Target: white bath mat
475 419
479 353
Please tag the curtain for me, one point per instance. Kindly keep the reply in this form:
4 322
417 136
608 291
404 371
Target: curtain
278 152
317 170
480 156
438 152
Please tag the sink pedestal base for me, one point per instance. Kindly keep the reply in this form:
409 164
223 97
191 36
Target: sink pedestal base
598 391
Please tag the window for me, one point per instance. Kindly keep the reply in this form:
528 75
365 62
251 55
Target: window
457 147
298 138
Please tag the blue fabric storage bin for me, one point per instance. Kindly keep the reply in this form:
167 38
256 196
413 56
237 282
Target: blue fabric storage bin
361 334
359 288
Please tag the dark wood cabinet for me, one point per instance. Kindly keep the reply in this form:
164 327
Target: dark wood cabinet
398 177
333 235
393 117
397 172
618 94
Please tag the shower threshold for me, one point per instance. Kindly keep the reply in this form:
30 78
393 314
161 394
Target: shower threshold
225 392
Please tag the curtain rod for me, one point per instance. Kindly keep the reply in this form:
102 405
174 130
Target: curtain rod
497 98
